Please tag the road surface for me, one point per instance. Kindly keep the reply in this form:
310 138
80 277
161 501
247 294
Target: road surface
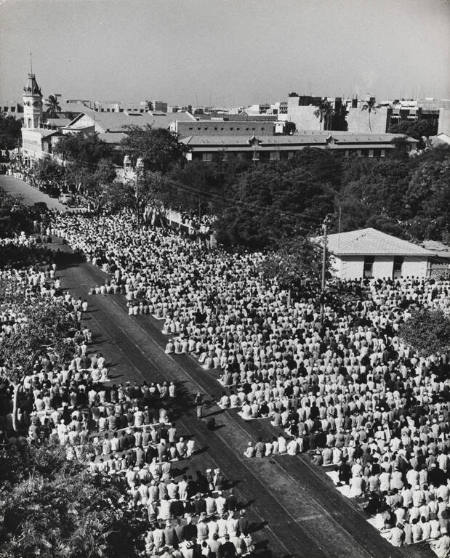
28 194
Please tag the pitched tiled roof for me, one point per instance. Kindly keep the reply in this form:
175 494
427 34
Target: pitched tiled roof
439 248
371 242
118 121
339 138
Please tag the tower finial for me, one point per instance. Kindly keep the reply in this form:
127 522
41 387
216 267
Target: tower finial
31 62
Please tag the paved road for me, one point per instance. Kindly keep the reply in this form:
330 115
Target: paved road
29 195
307 517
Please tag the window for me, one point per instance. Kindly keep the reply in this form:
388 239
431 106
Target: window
368 267
383 153
207 157
376 152
398 265
370 152
274 155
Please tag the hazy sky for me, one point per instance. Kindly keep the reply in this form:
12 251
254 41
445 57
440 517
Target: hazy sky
225 51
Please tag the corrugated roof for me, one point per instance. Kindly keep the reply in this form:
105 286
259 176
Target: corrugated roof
371 242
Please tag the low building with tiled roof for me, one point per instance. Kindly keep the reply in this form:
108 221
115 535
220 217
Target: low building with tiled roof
276 147
367 253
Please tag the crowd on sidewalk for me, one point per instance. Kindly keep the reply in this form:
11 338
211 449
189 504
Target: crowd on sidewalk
343 387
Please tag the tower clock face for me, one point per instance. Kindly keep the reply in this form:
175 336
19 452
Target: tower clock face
36 104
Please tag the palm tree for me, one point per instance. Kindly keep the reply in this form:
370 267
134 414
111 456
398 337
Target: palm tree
324 112
369 105
52 106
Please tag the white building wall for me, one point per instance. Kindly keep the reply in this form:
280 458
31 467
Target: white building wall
415 267
358 121
383 267
350 268
87 122
304 118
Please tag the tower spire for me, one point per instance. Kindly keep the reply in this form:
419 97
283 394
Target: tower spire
31 62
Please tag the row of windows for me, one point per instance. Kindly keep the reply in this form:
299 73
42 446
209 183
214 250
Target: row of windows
207 128
277 155
11 109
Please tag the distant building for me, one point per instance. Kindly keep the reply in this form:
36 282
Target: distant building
12 109
111 126
302 111
360 121
369 253
36 140
444 121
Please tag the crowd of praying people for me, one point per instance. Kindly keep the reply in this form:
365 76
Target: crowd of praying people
338 384
122 431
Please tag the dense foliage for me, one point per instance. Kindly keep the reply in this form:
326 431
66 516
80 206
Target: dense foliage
159 149
10 130
54 508
296 265
427 331
83 149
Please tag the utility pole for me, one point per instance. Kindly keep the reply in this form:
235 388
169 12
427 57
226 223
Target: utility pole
324 267
139 169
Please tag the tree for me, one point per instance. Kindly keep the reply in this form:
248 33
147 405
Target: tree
271 202
48 171
324 113
427 331
53 106
159 149
120 196
415 129
10 130
83 149
296 264
369 106
46 323
55 509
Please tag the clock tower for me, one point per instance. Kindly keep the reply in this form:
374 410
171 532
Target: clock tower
32 104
